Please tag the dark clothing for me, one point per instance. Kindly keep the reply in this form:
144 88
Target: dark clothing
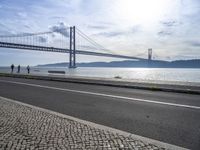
18 69
12 68
28 69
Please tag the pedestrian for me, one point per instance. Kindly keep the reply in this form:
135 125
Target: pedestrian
18 69
28 69
12 68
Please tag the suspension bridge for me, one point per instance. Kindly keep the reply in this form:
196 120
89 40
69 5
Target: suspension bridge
61 41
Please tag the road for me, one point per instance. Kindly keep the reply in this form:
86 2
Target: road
168 117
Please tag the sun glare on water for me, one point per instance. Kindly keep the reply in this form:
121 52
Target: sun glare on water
141 11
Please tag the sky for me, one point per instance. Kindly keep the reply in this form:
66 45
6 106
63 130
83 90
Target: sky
127 27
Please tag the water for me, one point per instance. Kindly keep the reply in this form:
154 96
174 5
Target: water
156 74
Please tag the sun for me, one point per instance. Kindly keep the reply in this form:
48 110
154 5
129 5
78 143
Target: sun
141 11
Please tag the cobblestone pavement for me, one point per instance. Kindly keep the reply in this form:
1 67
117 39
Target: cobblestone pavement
23 127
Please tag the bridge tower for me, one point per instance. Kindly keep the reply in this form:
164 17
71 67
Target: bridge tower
72 47
149 54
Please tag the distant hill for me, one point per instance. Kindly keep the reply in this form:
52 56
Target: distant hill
195 63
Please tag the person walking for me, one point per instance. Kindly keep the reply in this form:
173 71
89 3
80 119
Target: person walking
18 69
12 68
28 69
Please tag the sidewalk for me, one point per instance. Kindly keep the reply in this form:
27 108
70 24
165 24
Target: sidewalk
23 126
178 87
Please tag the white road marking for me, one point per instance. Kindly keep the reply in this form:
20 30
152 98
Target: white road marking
104 95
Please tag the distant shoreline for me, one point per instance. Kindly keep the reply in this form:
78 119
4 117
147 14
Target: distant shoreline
195 63
188 64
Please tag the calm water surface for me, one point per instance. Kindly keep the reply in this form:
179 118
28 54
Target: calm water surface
163 74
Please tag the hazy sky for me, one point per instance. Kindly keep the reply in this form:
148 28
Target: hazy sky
129 27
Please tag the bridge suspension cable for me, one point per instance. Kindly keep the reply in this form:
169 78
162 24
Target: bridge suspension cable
47 39
91 41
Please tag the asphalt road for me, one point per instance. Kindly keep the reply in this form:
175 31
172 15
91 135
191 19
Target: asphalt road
167 117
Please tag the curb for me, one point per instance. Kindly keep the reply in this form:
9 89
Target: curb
151 86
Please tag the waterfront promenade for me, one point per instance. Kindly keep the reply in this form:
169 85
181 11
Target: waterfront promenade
169 117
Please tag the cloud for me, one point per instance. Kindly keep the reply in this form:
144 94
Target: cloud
171 23
61 28
135 29
169 27
4 29
97 27
57 17
2 25
194 43
111 34
27 26
118 32
22 14
164 33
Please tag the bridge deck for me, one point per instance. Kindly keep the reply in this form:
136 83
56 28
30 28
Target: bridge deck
61 50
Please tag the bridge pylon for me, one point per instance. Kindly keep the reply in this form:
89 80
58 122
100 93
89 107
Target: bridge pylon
72 47
150 54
